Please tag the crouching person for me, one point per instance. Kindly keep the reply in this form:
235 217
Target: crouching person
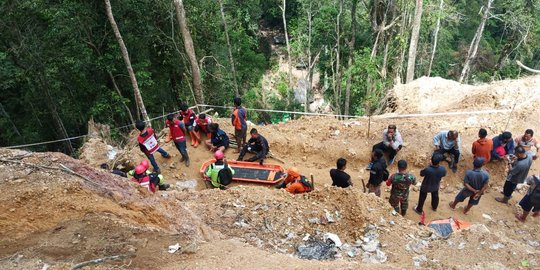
152 181
295 183
219 172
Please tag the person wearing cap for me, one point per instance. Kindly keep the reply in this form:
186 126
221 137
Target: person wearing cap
391 143
527 141
377 172
151 181
503 146
448 142
483 146
177 134
431 183
531 200
212 172
475 184
399 194
294 182
518 168
148 143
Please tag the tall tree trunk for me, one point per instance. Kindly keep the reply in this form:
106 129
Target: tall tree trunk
337 81
190 50
405 21
309 67
283 11
435 37
125 55
231 59
411 61
352 42
473 48
113 81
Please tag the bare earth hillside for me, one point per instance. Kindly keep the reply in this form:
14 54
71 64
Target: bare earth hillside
52 216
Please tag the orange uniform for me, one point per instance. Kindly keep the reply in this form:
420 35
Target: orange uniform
297 187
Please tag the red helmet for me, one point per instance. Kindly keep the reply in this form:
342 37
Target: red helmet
218 154
145 164
140 169
293 171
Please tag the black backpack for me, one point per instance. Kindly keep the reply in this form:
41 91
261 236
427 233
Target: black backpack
225 175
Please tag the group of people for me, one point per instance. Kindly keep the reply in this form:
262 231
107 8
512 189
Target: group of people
517 152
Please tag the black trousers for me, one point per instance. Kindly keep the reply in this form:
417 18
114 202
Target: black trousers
452 151
509 188
422 199
388 150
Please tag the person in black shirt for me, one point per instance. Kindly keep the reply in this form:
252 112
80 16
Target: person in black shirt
257 144
339 177
431 183
378 173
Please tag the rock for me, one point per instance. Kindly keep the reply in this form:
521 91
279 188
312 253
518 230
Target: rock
131 249
370 246
378 257
486 216
497 246
533 243
314 220
461 246
329 216
479 228
191 248
317 250
418 260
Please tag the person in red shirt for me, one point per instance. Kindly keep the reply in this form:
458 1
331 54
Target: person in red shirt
189 121
177 133
148 143
483 146
201 125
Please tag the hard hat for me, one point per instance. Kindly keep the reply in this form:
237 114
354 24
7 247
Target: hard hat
293 171
140 169
218 154
145 164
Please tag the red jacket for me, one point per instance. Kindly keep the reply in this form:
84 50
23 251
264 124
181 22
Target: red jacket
176 132
145 182
148 141
189 117
203 124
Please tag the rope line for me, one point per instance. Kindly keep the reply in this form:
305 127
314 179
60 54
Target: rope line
281 111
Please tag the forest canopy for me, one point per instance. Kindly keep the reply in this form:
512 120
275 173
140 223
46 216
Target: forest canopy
65 62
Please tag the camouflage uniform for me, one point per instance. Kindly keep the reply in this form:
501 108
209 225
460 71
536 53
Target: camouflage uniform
400 190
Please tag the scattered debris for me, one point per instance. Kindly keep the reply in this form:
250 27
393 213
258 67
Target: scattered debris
174 248
497 246
332 237
317 250
418 260
186 185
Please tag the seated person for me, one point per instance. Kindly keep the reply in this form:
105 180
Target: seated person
219 172
527 141
201 125
218 138
448 142
391 143
150 181
295 183
503 146
339 177
257 144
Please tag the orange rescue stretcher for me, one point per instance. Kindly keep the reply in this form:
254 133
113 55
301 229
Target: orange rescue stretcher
251 172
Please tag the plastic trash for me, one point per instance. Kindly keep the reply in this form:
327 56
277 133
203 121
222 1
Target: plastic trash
174 248
334 238
317 250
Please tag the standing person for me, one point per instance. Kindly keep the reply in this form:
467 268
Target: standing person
391 143
339 177
531 200
503 146
148 143
257 144
377 173
217 171
177 134
482 147
518 169
201 125
448 142
189 121
238 120
475 184
218 138
431 183
399 195
528 142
